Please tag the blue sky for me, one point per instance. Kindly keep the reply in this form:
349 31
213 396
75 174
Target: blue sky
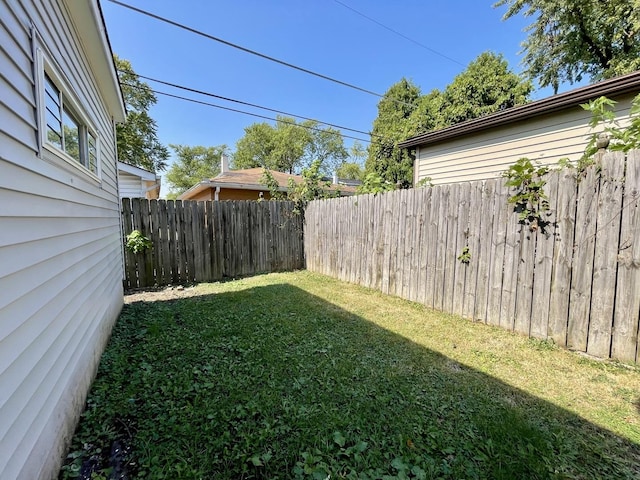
319 35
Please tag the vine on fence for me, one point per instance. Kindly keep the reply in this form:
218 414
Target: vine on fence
465 255
137 242
528 180
529 199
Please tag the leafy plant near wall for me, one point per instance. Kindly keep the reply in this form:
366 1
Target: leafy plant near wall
269 181
620 139
137 242
374 183
425 182
529 199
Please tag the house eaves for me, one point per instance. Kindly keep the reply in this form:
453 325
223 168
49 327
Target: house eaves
613 87
137 171
212 184
88 21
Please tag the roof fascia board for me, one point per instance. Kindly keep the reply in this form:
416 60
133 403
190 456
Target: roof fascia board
89 23
614 87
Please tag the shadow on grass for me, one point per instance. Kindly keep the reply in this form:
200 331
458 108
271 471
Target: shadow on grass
272 382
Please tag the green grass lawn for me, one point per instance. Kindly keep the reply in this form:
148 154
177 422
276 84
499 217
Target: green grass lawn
297 375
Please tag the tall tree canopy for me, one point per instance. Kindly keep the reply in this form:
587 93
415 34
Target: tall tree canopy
289 146
572 38
137 137
192 165
390 127
486 86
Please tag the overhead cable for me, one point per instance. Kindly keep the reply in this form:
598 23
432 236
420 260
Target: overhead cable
435 52
252 52
209 94
285 121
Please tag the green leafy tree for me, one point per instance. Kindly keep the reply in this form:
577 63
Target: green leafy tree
357 153
390 127
192 165
486 86
350 171
326 147
255 147
280 147
289 146
137 137
570 39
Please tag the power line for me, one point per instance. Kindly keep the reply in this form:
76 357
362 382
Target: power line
308 127
252 52
399 33
209 94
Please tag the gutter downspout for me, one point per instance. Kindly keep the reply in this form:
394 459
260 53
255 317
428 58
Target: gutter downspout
217 193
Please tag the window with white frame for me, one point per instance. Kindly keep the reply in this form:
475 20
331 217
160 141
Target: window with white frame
65 129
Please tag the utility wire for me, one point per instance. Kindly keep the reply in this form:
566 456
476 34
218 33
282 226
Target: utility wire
209 94
399 33
308 127
252 52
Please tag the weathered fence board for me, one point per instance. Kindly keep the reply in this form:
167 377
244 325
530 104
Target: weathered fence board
543 265
462 233
432 246
208 241
510 273
605 257
474 244
563 234
576 281
501 212
484 251
625 322
424 248
582 275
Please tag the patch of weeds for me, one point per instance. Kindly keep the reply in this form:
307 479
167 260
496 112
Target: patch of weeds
541 345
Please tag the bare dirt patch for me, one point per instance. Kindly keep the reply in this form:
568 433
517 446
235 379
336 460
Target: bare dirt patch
160 294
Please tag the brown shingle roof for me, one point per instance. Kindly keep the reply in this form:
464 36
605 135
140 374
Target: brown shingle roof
251 179
253 176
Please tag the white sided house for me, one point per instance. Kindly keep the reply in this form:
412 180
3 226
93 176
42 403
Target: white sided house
60 235
546 131
136 182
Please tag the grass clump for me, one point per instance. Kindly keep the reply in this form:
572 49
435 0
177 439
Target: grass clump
300 376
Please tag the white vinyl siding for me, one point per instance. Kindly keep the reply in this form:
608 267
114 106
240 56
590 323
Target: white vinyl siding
486 154
132 186
60 247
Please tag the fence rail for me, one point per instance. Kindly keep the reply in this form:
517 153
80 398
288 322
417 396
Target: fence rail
209 241
577 282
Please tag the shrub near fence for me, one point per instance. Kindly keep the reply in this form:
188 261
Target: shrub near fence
209 241
577 282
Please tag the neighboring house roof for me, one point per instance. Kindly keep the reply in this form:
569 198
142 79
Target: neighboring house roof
622 85
137 171
89 22
137 182
252 179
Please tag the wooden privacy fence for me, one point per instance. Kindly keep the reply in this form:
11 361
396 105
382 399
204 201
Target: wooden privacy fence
577 284
208 241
